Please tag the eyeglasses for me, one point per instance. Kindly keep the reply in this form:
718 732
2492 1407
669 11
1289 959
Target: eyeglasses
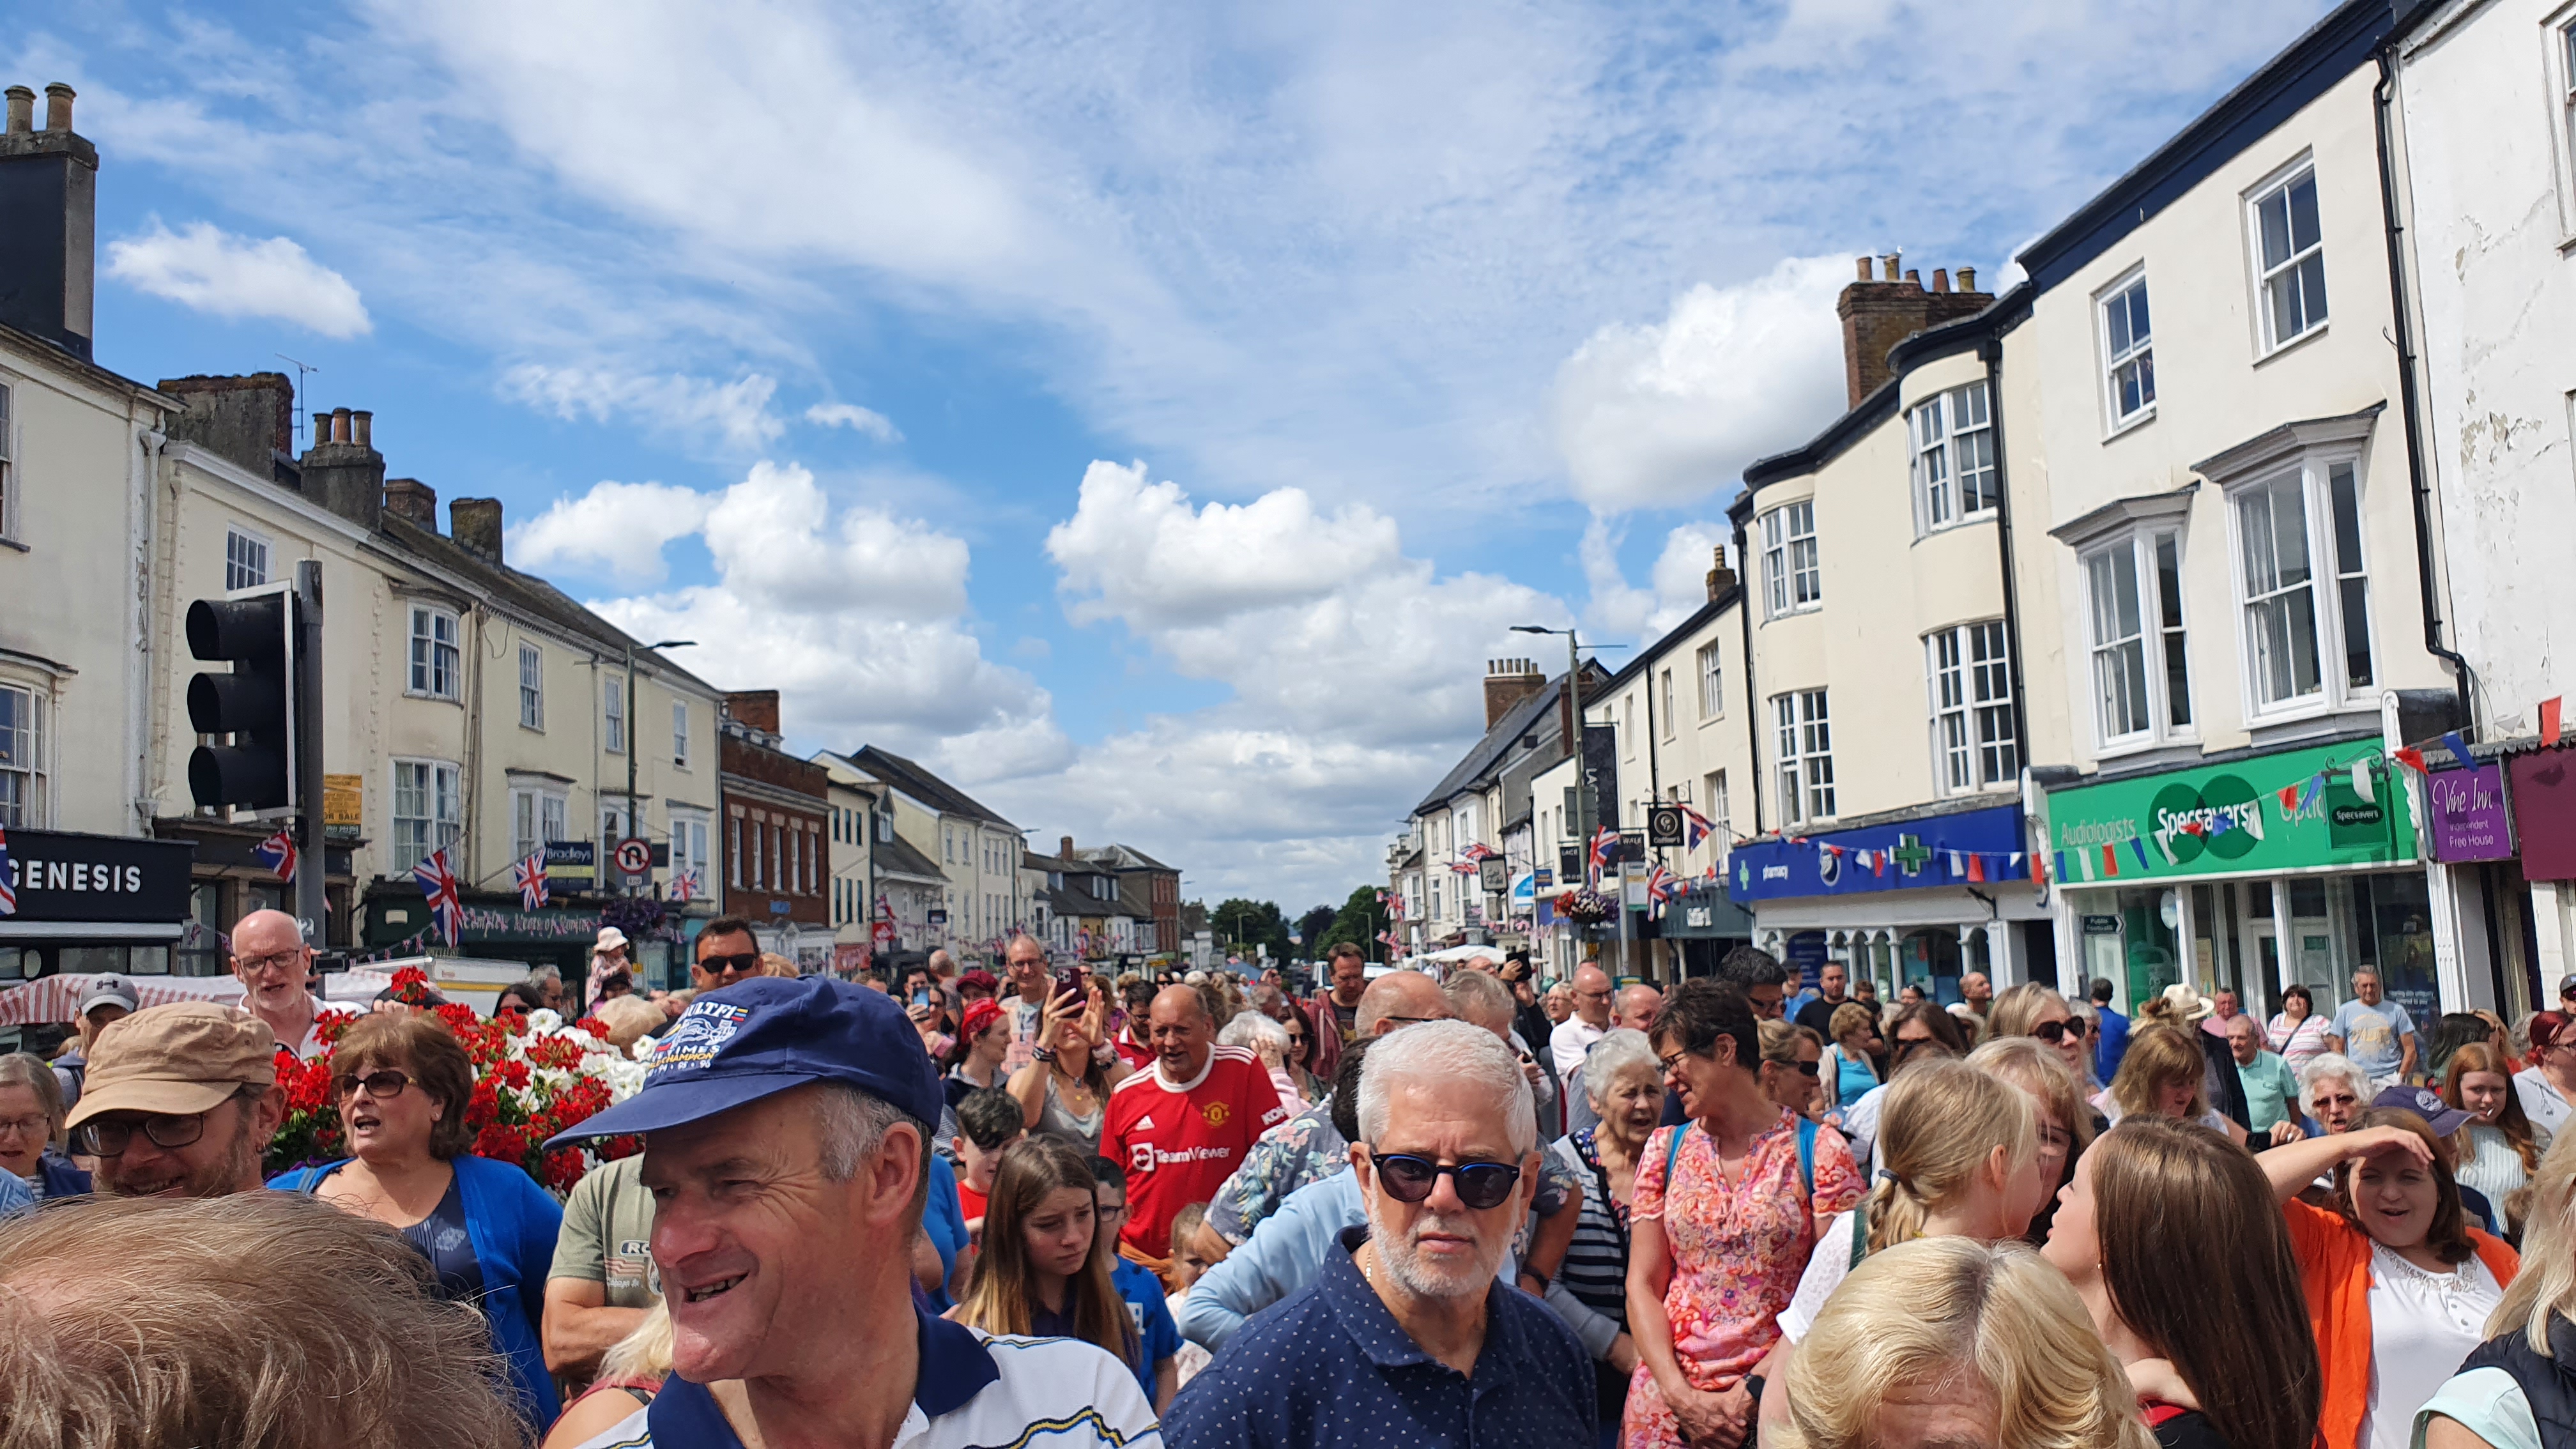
1407 1178
262 965
2051 1032
169 1132
726 965
1412 1020
384 1086
31 1126
1805 1069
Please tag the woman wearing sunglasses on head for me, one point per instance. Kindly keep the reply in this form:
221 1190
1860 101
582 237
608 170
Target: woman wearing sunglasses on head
486 1228
1726 1213
1793 1068
2034 1010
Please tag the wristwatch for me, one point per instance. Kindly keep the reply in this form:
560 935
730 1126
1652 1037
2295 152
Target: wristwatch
1044 1054
1104 1054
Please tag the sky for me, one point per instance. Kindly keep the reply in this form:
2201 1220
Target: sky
1150 416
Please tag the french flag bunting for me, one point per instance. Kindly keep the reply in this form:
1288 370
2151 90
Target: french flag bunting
2110 860
2138 847
1976 868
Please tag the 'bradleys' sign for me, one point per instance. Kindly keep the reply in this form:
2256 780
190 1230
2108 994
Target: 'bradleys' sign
2288 811
62 876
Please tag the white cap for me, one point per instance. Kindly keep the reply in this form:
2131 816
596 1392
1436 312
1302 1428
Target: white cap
610 939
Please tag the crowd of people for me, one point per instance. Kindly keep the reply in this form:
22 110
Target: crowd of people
960 1209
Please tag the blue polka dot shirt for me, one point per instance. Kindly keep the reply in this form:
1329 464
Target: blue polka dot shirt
1329 1366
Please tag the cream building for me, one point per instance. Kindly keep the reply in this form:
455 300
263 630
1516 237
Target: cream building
958 883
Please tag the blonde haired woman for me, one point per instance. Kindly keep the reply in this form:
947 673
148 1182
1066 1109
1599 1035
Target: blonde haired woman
2067 1123
1962 1151
2034 1010
1953 1341
2530 1352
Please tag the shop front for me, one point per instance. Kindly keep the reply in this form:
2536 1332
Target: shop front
2298 866
2543 788
1920 901
91 903
1701 925
396 921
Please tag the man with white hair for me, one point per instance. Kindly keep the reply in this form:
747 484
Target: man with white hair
276 971
1407 1337
1590 1022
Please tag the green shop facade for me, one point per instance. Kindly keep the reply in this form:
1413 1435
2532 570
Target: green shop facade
2248 875
396 919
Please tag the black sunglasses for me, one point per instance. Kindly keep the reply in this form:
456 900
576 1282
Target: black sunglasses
1407 1178
384 1086
739 961
2052 1032
167 1131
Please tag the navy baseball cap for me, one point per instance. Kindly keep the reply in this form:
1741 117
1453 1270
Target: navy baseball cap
765 1035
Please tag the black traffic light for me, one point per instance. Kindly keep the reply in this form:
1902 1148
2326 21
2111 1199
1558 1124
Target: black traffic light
255 704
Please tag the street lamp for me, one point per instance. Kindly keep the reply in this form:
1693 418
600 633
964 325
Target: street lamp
1582 774
633 718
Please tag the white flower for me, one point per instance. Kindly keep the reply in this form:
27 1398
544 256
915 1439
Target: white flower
544 1021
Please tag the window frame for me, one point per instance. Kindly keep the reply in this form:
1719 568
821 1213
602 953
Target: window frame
2155 641
1711 657
1672 714
532 686
1784 572
2560 63
1934 462
240 538
1802 740
2260 274
2115 358
8 461
679 733
421 659
533 801
616 715
2311 471
1968 693
32 808
441 831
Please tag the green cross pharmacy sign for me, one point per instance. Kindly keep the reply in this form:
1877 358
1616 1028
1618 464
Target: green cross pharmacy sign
2301 810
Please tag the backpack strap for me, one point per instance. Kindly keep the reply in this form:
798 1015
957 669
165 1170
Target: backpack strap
1860 1235
1673 1153
1807 1157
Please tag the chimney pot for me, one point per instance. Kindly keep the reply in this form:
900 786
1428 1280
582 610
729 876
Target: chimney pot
1864 269
58 107
1067 852
1967 279
1940 279
339 425
22 110
1888 264
362 427
1914 279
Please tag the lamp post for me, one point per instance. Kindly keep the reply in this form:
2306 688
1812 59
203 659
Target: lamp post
1582 768
632 720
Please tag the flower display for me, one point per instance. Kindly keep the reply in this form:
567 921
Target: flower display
1587 906
534 1076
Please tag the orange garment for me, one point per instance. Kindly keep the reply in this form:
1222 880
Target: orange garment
2334 1269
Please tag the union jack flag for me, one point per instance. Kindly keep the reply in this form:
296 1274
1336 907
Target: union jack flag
1695 828
530 877
684 885
1479 850
1660 888
8 882
438 882
1466 866
278 853
1605 848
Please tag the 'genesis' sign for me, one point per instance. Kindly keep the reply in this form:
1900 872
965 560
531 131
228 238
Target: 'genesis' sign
62 876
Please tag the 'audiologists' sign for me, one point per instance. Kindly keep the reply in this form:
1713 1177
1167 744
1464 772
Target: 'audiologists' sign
61 876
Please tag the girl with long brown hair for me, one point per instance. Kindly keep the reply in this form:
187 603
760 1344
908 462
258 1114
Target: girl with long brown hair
2165 1074
1045 1266
2498 1149
2163 1220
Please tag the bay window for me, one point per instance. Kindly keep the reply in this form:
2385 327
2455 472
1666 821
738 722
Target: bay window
1790 579
1975 746
1954 457
1805 755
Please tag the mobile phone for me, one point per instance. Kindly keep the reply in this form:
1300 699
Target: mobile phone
1073 980
922 998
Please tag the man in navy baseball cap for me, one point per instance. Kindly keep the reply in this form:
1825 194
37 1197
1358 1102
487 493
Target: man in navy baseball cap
785 1125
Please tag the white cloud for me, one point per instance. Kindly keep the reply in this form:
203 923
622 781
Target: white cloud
856 616
204 267
617 529
1677 584
867 421
1667 412
668 405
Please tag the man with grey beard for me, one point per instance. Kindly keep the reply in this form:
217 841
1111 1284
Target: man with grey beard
1407 1337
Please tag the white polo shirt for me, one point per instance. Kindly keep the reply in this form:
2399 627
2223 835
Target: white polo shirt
975 1391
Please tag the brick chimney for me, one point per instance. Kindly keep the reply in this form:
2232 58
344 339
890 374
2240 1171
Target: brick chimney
1878 314
476 524
756 708
1721 579
1067 852
411 498
49 240
249 420
342 470
1507 683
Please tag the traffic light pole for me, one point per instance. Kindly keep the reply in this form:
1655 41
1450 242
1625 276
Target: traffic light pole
312 863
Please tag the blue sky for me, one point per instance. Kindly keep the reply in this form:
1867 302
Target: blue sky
1152 416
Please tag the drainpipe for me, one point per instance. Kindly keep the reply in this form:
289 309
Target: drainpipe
1992 350
2383 98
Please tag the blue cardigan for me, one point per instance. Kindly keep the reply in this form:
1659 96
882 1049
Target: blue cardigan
513 1224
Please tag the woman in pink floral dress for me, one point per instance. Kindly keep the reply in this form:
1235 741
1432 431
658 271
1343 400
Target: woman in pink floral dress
1722 1226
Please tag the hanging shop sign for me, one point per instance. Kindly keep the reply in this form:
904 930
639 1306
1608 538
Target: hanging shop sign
1971 847
2331 805
69 877
2469 820
2544 813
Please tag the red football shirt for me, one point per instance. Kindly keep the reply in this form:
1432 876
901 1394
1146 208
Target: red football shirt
1180 1141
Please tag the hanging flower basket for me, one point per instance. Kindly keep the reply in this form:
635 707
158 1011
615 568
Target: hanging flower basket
1588 907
